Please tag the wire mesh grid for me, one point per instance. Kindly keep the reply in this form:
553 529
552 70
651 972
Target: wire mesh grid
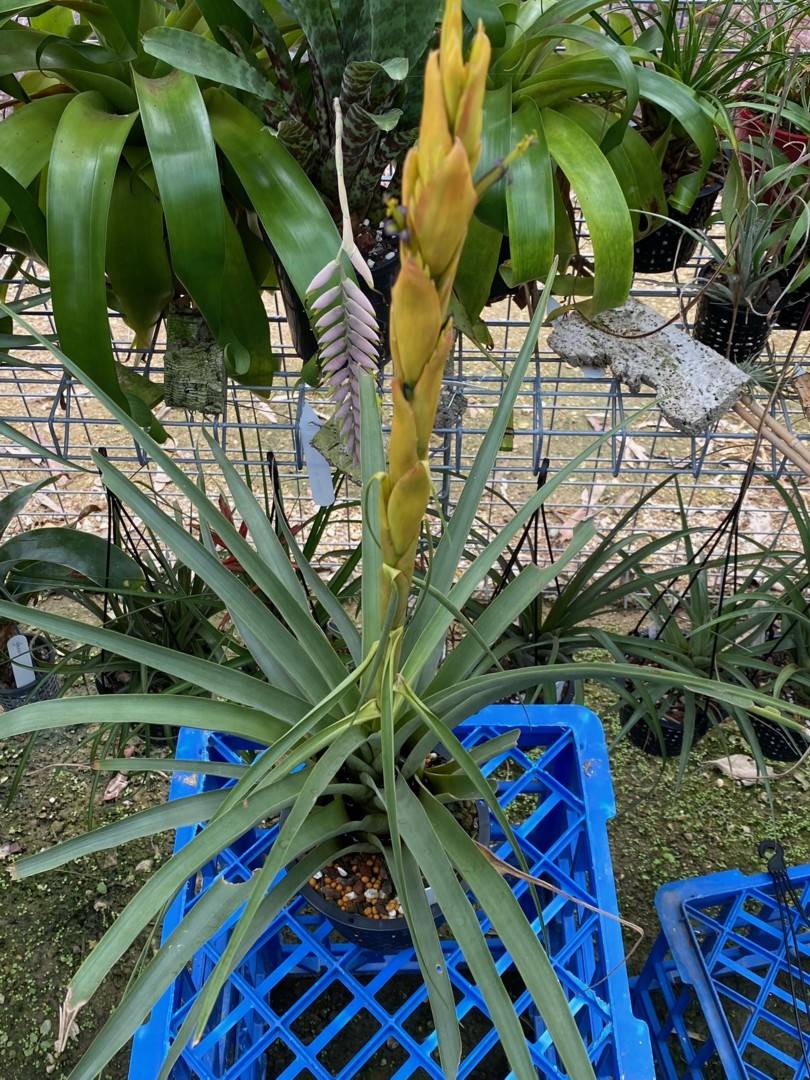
560 411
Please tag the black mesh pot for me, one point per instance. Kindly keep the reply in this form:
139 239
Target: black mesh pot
646 738
738 334
669 246
46 683
791 314
384 936
779 743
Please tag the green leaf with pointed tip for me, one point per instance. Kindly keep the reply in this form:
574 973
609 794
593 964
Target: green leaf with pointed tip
84 159
206 59
156 819
169 877
199 925
27 213
202 714
603 207
292 212
225 14
490 14
16 501
530 200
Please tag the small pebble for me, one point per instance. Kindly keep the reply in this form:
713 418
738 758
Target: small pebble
390 254
371 894
341 871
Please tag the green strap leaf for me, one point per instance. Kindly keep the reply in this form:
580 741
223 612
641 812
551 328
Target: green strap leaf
317 19
271 644
156 819
16 501
490 14
27 212
603 207
496 142
83 163
294 217
26 137
185 162
286 847
197 55
172 875
138 266
202 714
530 200
457 909
69 553
514 930
220 901
240 688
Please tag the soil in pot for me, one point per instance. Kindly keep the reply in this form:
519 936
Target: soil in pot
669 247
357 895
42 657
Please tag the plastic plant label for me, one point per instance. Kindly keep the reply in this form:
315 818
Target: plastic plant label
22 662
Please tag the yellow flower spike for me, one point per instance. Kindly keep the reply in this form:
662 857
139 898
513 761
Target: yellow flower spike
469 115
415 321
426 393
439 198
440 218
406 507
403 454
451 60
435 137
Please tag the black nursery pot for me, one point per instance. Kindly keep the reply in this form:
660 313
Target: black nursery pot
384 936
669 247
646 738
46 684
778 743
739 334
791 314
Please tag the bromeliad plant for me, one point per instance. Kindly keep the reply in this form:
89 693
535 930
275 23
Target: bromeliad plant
573 76
345 736
129 183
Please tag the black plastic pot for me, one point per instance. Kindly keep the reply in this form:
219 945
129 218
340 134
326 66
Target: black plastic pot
779 743
669 247
646 738
46 684
791 314
739 334
384 936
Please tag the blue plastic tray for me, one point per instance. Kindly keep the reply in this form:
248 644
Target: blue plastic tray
715 990
306 1004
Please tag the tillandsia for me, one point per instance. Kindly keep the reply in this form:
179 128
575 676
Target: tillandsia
343 318
438 200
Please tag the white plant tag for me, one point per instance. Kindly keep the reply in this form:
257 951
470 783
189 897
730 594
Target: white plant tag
22 662
318 468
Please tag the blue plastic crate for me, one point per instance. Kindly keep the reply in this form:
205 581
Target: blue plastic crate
715 990
307 1004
